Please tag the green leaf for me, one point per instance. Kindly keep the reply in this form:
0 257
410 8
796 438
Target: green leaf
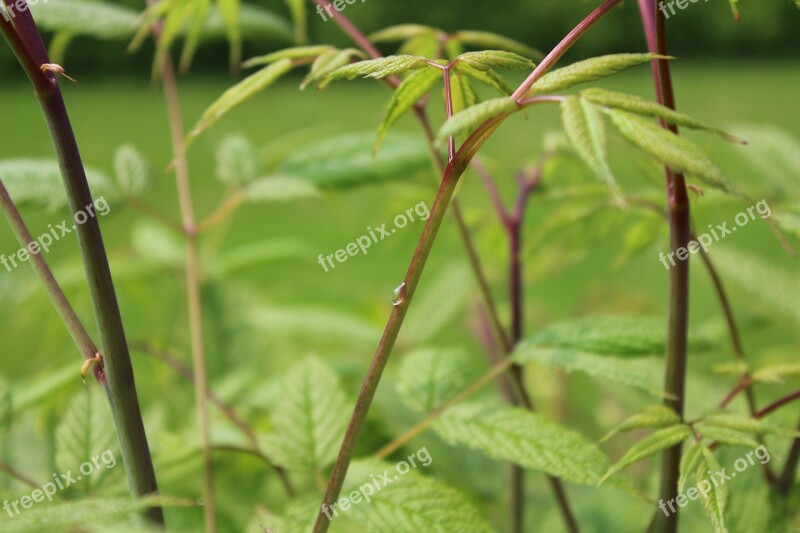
746 425
727 436
58 46
230 13
346 161
463 94
469 119
488 77
486 40
414 87
424 45
776 373
280 189
400 32
101 20
133 173
300 17
428 377
236 160
408 504
379 68
488 59
327 63
309 323
586 132
673 151
651 445
157 245
652 417
86 431
238 94
588 70
38 183
310 418
297 52
248 255
255 23
525 438
689 461
716 499
197 23
640 106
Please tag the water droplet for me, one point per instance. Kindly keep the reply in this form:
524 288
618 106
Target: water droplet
398 294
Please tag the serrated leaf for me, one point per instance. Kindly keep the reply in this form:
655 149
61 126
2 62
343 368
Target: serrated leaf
38 183
747 425
410 503
400 32
347 161
488 77
469 119
640 106
651 445
280 189
486 40
327 63
588 70
652 417
689 461
586 132
132 171
430 376
525 438
310 418
676 152
776 373
463 94
488 59
238 94
297 52
379 68
407 94
86 430
236 160
715 500
727 436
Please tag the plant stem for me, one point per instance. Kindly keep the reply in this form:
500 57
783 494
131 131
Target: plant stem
19 476
774 406
785 482
680 234
27 45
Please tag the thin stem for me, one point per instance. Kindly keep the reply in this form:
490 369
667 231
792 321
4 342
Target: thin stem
774 406
680 235
19 476
225 210
29 49
194 300
786 480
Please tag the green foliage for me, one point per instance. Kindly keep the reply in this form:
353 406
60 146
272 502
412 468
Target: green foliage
229 11
746 425
299 12
588 70
776 373
430 376
156 245
297 52
327 63
716 500
488 59
487 40
101 20
651 445
469 119
400 32
690 459
586 132
280 189
132 171
487 77
726 436
236 160
407 94
379 68
651 417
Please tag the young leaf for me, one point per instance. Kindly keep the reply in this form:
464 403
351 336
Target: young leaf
588 70
328 62
410 503
488 59
463 94
689 460
238 94
674 151
776 373
297 52
652 417
715 500
586 132
280 189
379 68
300 17
727 436
310 418
428 377
640 106
401 32
133 173
486 40
651 445
236 160
86 430
229 11
525 438
414 87
746 425
197 23
469 119
488 77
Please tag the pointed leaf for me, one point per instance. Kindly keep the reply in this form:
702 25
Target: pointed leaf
300 17
588 70
488 59
229 10
280 189
379 68
727 436
400 32
716 500
689 461
469 119
327 63
776 373
746 425
651 445
429 377
586 132
488 77
297 52
463 94
652 417
414 87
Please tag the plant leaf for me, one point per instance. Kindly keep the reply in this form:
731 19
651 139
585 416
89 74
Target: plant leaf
300 17
727 436
414 87
776 373
673 151
586 132
327 63
133 173
230 13
651 445
400 32
463 94
310 418
488 59
238 94
297 52
689 462
85 17
429 377
746 425
486 40
469 119
488 77
652 417
378 68
716 500
589 70
640 106
280 189
236 160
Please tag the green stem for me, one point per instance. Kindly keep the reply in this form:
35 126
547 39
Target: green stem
26 44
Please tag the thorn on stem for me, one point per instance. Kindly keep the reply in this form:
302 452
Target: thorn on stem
98 360
57 69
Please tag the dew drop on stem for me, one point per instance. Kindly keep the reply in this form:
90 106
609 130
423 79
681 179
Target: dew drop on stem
398 294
